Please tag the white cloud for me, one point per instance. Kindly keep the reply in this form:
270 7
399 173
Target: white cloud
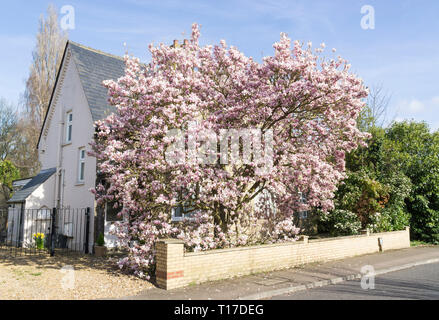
416 106
419 106
419 110
412 106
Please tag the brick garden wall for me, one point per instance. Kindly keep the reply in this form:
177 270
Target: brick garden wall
175 268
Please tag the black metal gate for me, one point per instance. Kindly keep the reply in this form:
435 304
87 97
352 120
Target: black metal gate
44 231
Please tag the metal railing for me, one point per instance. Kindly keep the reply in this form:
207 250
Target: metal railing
44 231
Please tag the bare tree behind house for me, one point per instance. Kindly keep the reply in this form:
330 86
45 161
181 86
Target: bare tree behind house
8 130
375 114
25 155
46 61
378 101
14 139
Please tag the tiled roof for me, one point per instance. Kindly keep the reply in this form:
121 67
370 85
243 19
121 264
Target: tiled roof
94 67
22 194
18 184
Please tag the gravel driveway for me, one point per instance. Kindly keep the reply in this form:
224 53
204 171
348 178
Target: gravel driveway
69 277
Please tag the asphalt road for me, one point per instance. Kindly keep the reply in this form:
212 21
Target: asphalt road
421 282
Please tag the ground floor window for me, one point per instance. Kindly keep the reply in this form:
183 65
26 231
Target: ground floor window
112 213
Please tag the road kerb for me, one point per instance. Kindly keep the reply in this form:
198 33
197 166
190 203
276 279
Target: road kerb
317 284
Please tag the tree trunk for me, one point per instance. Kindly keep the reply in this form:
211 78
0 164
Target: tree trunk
221 217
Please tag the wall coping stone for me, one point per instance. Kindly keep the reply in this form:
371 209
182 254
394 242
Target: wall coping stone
171 241
290 243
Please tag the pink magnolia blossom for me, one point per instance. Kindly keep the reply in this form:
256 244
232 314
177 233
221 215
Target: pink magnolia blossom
309 102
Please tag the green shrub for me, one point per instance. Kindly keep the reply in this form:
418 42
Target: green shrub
414 150
339 223
100 241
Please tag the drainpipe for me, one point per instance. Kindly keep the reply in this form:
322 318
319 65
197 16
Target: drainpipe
60 179
63 173
21 225
59 182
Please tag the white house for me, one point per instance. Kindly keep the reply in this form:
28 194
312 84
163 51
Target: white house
67 172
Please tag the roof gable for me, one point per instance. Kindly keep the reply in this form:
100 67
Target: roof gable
94 67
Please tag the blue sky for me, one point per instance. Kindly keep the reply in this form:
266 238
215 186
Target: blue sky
401 53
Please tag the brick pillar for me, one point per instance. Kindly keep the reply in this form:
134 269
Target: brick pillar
365 232
305 239
170 263
407 230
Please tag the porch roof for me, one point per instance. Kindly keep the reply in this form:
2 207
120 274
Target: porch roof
22 194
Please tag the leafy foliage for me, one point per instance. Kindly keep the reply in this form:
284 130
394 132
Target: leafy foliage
413 150
394 182
340 223
8 173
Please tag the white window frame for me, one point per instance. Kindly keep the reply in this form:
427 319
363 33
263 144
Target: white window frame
184 216
81 165
69 127
303 214
106 215
174 217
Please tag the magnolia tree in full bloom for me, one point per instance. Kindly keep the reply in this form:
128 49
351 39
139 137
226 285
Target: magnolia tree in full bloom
303 108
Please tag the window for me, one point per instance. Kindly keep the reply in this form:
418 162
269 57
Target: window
112 212
178 213
303 214
181 213
81 168
69 126
184 210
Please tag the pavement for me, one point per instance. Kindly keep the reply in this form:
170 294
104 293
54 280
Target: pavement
288 281
417 283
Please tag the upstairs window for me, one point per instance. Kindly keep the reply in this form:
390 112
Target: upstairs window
81 167
69 126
